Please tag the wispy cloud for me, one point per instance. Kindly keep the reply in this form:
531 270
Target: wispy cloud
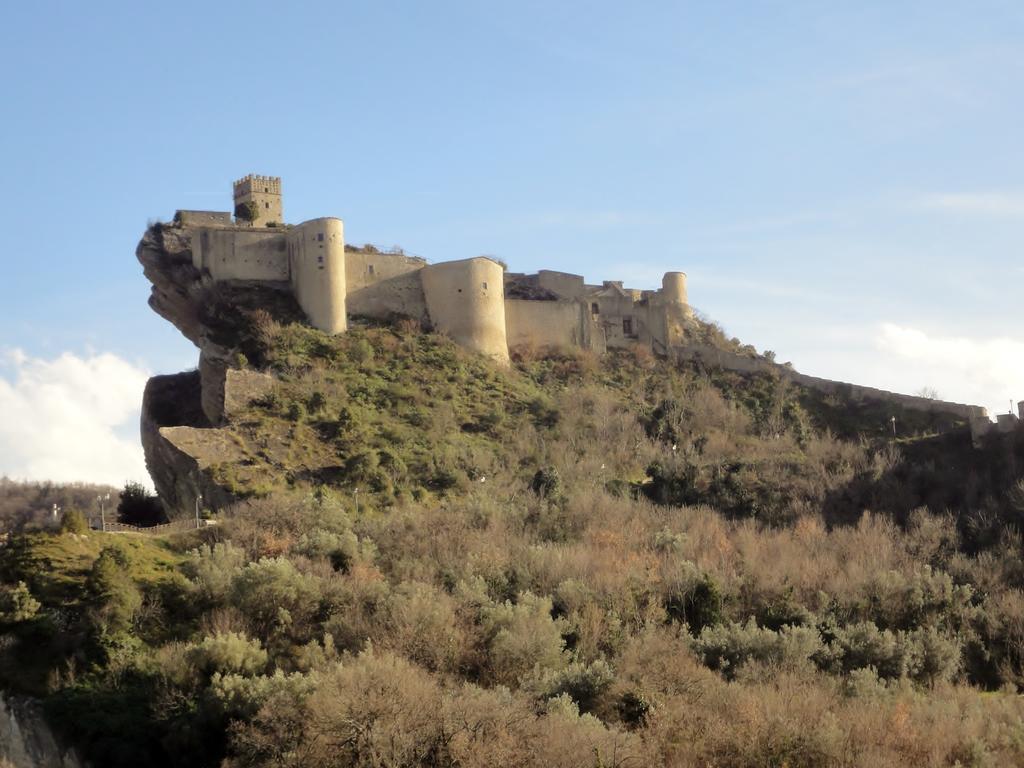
978 204
61 418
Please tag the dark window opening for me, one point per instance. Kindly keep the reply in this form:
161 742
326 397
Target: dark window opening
627 326
484 285
369 268
266 205
265 189
594 309
320 236
320 259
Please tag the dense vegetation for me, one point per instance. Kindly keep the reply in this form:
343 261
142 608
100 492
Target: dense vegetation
576 562
29 505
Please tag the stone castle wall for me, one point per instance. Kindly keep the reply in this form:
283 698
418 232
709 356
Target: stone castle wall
540 324
380 284
473 300
465 299
316 264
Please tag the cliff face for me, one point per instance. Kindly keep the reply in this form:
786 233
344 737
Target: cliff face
181 412
26 741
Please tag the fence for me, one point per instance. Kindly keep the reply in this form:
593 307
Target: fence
174 526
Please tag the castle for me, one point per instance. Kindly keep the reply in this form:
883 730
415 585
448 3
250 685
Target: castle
475 301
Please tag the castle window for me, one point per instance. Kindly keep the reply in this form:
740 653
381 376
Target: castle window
627 326
265 189
594 309
369 268
320 259
484 286
320 237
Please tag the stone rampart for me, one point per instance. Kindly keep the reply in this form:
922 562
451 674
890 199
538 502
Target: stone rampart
384 284
541 324
241 254
203 218
718 358
466 300
316 257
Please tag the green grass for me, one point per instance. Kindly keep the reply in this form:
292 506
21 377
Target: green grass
58 565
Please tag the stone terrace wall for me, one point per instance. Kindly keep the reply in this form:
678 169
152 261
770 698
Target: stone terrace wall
718 358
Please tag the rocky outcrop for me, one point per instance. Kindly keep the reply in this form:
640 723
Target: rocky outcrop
181 413
26 740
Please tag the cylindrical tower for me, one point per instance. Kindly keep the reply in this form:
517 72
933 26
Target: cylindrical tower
673 287
316 261
466 300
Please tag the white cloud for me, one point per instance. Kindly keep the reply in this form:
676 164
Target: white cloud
987 372
983 203
65 419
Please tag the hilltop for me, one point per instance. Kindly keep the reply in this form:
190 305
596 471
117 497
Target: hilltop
424 555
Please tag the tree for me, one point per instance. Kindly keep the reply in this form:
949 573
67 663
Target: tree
247 211
73 521
139 507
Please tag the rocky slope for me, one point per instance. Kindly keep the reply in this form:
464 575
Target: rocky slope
181 412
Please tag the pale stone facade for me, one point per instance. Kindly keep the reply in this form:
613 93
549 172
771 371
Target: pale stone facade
473 300
264 192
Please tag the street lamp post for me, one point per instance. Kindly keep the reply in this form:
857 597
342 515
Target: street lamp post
199 498
355 495
103 516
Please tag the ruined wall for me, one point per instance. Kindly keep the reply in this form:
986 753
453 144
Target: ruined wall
381 284
316 255
542 324
465 299
622 322
240 254
203 218
714 357
567 285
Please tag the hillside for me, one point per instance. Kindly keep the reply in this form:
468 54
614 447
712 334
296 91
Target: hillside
575 561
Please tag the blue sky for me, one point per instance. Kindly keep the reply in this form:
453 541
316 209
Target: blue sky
843 181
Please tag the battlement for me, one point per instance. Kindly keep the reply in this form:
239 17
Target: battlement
258 200
254 182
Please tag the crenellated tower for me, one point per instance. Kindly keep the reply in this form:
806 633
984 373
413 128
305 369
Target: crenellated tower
258 201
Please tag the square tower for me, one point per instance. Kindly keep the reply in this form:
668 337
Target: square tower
258 201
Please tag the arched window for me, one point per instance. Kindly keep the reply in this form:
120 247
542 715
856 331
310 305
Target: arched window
594 309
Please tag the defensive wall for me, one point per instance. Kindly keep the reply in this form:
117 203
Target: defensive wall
712 357
476 301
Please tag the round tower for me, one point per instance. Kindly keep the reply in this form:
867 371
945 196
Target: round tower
316 264
673 287
466 300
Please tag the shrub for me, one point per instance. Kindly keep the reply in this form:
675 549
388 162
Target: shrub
583 683
115 595
864 645
698 604
276 596
523 636
17 604
228 653
213 568
73 521
727 647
